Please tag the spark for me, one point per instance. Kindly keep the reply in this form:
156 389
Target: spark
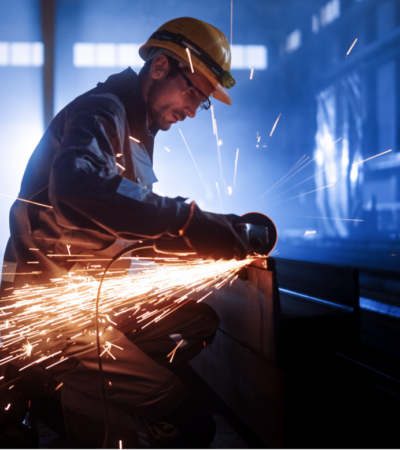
168 150
300 161
58 308
198 301
309 232
113 345
58 387
7 407
198 170
231 20
34 249
297 171
58 362
108 318
11 386
27 201
119 165
27 348
229 190
298 184
351 48
275 124
337 140
212 118
174 351
73 337
133 139
39 360
236 160
251 73
219 151
258 139
32 262
301 195
190 59
372 157
118 155
120 444
107 349
220 199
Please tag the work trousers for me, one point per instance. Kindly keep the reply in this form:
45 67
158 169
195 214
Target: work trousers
144 397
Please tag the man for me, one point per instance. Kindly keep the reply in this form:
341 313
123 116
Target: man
89 183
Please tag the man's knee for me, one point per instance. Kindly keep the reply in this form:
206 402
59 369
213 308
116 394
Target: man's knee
207 310
210 312
209 318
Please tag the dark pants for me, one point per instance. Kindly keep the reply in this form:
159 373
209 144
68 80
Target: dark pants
143 394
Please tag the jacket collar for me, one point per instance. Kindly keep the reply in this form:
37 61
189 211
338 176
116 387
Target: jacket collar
125 85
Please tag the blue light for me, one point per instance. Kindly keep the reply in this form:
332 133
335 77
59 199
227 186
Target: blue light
379 307
315 299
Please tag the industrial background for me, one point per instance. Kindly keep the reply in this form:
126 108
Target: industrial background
317 94
297 50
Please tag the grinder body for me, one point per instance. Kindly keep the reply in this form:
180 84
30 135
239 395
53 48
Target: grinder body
257 231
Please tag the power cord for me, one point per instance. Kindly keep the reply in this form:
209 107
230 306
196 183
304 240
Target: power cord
103 392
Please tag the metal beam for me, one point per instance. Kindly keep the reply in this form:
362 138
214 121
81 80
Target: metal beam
48 34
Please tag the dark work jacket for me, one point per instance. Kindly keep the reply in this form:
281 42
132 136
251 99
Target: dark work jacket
96 206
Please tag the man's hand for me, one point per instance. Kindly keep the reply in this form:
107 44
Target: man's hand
212 236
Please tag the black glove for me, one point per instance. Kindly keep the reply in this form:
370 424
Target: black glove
212 236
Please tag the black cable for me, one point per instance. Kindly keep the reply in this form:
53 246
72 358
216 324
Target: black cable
115 258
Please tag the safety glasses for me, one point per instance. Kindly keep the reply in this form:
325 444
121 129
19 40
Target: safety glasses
194 91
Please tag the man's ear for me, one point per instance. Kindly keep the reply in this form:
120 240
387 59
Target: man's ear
159 67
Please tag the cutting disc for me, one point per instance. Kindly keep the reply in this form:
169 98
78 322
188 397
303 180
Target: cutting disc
256 218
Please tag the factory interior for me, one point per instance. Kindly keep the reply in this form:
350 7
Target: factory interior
307 352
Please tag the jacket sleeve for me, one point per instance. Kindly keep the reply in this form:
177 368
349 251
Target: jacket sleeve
86 190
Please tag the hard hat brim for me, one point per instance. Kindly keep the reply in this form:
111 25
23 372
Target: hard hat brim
219 91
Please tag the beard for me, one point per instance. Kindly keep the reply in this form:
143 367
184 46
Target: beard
157 108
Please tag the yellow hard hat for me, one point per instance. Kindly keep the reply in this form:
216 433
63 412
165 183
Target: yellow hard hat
209 50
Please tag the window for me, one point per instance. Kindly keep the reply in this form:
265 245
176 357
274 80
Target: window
293 41
330 12
21 54
246 56
123 55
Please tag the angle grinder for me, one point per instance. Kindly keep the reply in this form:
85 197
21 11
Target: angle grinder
257 231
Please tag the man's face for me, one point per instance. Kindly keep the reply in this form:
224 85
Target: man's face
169 99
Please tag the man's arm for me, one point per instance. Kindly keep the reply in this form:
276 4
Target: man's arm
86 190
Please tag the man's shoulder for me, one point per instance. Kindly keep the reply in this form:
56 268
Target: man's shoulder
114 93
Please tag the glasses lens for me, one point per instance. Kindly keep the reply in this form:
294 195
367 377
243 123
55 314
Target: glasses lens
204 105
201 107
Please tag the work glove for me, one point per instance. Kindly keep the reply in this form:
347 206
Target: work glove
212 236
